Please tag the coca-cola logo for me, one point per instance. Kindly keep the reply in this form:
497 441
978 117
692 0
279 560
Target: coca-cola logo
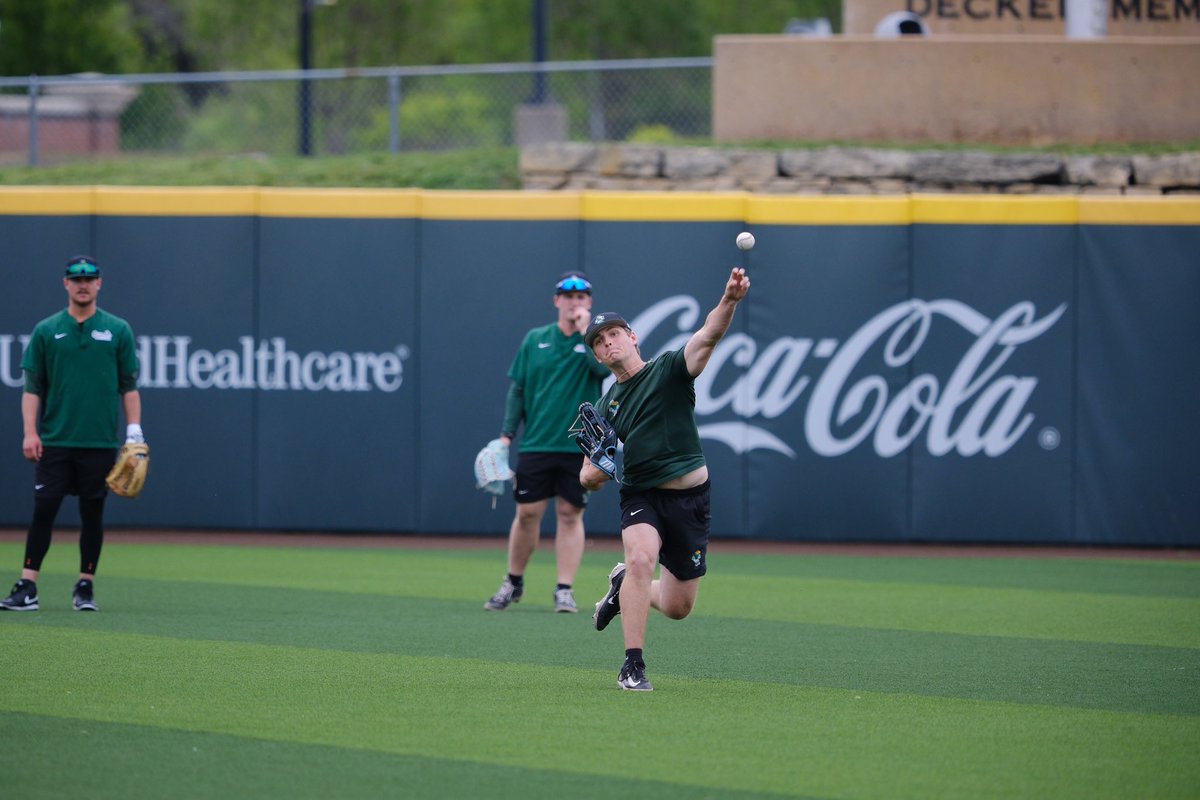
977 408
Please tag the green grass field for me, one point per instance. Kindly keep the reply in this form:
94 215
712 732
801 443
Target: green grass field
239 671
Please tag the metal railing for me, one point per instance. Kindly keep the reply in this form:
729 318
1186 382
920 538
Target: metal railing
349 111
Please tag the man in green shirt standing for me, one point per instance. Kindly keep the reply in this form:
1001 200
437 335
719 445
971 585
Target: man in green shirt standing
664 484
81 368
551 375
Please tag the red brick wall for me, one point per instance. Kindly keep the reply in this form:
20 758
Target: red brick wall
62 135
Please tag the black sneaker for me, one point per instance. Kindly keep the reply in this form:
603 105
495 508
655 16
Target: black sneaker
610 605
633 677
82 597
23 597
507 594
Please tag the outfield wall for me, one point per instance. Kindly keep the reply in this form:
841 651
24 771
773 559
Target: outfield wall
936 368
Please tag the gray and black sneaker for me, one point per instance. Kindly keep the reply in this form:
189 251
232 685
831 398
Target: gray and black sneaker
507 594
564 602
610 605
83 597
23 597
633 677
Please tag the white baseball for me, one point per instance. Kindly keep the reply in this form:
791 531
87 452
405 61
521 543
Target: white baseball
745 240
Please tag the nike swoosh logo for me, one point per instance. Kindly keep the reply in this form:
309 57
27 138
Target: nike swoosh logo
37 487
611 599
543 345
635 513
59 335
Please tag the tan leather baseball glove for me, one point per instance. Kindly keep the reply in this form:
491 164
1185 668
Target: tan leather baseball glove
128 475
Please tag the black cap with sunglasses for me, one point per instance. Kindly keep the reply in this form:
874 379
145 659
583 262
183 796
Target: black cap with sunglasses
573 282
82 267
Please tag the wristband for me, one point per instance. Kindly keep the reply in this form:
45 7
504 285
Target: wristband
133 434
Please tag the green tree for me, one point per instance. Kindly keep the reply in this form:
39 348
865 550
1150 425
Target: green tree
215 35
62 37
55 37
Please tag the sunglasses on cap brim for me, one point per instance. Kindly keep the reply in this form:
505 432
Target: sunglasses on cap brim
573 285
83 269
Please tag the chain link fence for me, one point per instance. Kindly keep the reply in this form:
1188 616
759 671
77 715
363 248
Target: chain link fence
352 111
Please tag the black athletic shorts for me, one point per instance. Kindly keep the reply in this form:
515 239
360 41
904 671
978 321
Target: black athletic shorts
681 517
73 470
544 475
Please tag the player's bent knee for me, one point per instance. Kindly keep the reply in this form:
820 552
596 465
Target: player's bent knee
679 609
677 598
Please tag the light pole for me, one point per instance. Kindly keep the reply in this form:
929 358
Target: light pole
539 51
539 119
305 100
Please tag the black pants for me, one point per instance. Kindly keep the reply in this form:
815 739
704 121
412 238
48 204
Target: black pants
62 471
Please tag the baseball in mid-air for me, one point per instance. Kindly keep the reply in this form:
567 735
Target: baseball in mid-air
745 240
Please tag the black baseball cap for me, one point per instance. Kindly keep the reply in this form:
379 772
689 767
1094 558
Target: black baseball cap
82 267
573 282
599 323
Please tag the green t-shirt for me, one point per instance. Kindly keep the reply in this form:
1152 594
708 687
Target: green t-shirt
654 415
555 373
80 370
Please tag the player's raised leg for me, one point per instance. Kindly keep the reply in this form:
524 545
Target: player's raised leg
673 597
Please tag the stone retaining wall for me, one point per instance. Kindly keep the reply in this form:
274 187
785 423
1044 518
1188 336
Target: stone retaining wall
837 170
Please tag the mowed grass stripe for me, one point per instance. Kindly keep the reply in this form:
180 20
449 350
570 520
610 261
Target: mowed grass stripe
1171 621
718 734
1025 613
108 760
437 570
1032 671
1113 575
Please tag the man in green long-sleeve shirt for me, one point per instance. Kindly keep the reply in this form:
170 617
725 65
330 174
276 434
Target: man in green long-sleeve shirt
552 374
